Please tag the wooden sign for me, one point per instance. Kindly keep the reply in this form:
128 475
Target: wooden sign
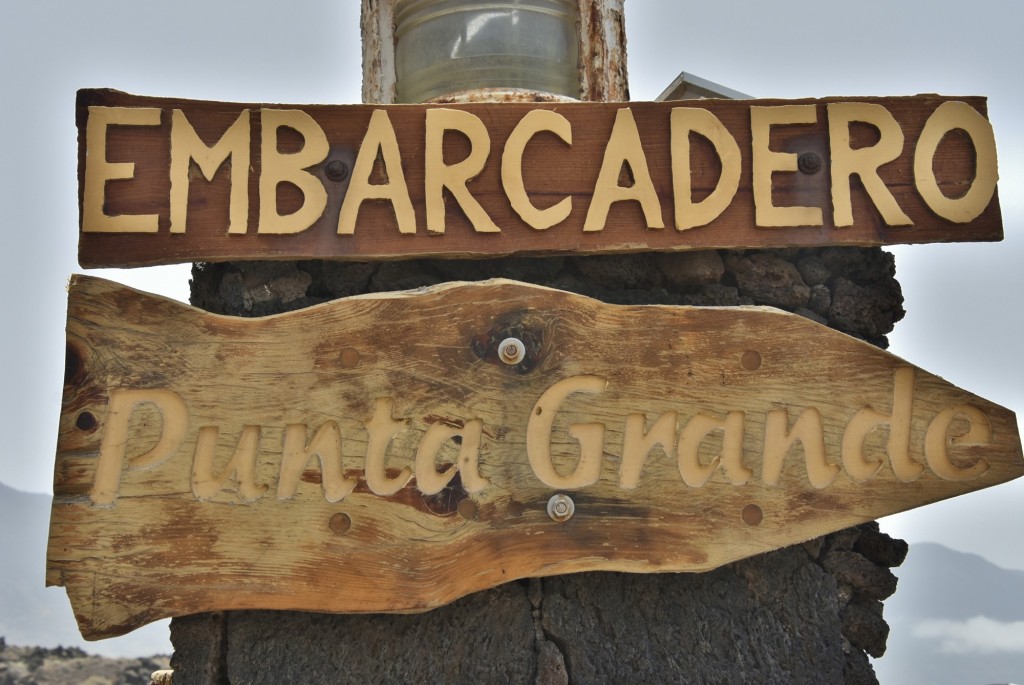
393 452
165 181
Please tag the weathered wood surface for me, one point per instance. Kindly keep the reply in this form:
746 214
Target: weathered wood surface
681 416
522 209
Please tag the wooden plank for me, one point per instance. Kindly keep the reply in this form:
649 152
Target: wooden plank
907 182
150 520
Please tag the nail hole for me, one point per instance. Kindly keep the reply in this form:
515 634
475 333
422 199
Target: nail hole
468 509
515 509
751 360
86 422
349 358
340 523
752 515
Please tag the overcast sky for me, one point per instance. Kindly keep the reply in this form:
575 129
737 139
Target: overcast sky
964 317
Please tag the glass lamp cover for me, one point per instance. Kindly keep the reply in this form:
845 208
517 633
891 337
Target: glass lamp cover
447 46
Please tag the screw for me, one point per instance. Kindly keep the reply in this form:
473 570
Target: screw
809 163
561 508
337 170
512 351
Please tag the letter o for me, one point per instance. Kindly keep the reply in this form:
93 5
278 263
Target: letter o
947 117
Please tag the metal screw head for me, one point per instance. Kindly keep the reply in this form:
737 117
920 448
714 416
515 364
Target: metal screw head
561 508
337 170
809 163
512 351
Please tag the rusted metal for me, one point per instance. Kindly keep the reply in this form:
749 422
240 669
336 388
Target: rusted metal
809 163
378 28
336 170
602 30
602 62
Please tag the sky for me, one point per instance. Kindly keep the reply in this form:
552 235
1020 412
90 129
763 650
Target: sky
963 323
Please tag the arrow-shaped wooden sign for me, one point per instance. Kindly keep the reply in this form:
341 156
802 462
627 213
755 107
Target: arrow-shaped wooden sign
393 452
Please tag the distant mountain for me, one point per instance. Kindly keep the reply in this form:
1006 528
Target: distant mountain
956 619
72 666
32 614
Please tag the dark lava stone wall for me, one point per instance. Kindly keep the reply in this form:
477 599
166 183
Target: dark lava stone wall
811 613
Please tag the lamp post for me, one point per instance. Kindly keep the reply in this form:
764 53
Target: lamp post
446 47
472 50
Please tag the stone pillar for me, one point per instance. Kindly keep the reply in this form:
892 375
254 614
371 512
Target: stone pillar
811 613
807 614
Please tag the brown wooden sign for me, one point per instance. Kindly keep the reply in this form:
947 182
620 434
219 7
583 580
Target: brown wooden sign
395 452
165 181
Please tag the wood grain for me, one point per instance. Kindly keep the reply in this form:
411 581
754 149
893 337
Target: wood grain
552 170
387 521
